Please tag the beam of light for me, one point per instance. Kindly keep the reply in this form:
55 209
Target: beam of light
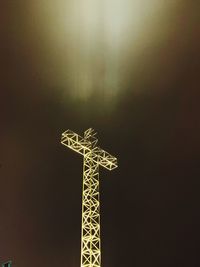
92 39
100 28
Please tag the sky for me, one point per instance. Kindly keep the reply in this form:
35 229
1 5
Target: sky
129 69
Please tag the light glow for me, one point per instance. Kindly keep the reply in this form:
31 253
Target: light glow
94 42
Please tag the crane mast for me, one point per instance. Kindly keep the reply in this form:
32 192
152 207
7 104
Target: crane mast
93 158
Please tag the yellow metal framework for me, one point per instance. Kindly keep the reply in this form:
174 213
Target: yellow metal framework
93 157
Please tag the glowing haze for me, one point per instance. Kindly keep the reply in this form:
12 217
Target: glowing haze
91 43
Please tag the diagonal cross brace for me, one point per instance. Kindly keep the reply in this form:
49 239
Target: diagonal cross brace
83 146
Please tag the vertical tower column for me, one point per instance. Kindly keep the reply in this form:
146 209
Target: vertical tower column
90 239
94 157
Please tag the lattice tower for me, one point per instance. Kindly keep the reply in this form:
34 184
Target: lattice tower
93 158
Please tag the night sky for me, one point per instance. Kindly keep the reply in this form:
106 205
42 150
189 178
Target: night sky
129 69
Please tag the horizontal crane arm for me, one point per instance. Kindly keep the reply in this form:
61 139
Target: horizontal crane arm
84 146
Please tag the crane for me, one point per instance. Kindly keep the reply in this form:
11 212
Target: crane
93 157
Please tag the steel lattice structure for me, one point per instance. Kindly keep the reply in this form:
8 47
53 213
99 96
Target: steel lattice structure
93 157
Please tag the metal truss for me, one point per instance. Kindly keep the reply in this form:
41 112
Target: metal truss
93 157
84 146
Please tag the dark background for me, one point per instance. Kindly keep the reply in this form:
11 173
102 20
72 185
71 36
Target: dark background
150 204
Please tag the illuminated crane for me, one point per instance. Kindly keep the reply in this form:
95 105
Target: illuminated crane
94 157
